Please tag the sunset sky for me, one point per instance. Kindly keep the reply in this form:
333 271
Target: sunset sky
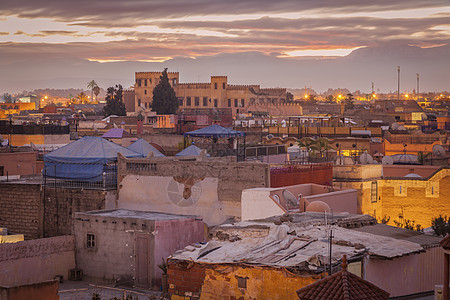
156 31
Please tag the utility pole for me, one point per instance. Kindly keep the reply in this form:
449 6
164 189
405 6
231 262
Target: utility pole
398 83
418 94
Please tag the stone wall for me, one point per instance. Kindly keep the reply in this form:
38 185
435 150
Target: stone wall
22 207
36 261
47 290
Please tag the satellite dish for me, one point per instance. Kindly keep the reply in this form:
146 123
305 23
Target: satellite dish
365 159
438 150
394 126
291 200
270 136
402 128
387 160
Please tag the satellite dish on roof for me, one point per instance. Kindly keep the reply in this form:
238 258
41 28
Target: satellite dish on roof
394 126
365 158
269 136
438 150
291 200
387 160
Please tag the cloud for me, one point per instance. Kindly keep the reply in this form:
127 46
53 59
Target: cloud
115 13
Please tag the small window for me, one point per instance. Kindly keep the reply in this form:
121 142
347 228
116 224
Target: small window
188 101
223 85
180 101
205 101
242 282
242 102
400 189
432 190
146 105
235 102
174 82
229 102
145 92
139 102
90 241
374 191
215 102
197 101
215 85
138 81
150 80
145 83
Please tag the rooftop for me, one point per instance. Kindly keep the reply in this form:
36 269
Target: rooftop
300 242
135 214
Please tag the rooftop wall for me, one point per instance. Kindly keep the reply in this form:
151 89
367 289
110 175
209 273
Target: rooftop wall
36 260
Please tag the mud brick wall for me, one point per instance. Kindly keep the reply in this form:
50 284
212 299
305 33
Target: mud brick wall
24 211
21 209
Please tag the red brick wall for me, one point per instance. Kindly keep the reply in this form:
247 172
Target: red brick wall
185 282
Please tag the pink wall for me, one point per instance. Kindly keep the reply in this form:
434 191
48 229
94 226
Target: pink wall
340 201
173 235
409 274
401 171
36 260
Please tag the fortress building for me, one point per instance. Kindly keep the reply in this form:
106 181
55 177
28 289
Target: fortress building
215 94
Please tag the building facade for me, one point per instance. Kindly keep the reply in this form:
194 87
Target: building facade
214 94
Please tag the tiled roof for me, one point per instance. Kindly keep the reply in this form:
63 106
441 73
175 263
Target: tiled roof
342 285
445 243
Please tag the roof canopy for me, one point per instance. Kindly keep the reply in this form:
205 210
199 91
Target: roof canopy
214 131
116 133
143 147
192 150
89 150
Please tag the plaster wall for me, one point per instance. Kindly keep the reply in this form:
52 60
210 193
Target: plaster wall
19 163
406 275
401 171
113 256
340 201
47 290
36 260
211 189
257 204
22 139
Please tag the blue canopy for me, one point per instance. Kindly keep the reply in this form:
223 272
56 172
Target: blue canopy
192 150
143 147
215 131
84 159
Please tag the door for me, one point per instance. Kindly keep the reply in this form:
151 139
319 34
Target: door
142 260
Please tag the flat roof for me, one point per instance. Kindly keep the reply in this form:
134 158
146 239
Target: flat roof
401 234
135 214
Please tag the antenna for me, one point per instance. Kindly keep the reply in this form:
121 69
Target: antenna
398 83
418 94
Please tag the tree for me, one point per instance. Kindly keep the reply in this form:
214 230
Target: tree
114 103
91 85
441 225
422 156
96 90
349 102
82 98
306 143
289 97
7 97
329 99
164 99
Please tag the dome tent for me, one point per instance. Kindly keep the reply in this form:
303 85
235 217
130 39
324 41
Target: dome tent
84 159
143 147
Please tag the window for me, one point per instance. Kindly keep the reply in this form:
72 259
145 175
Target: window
139 102
180 101
205 101
174 81
90 241
242 282
242 102
229 102
215 102
146 105
145 82
235 102
374 191
197 101
188 101
223 85
150 80
138 81
215 85
145 92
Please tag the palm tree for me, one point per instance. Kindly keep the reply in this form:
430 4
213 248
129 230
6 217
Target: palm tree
96 90
321 145
82 98
91 85
306 143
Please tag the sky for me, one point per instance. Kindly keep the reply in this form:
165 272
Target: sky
159 31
